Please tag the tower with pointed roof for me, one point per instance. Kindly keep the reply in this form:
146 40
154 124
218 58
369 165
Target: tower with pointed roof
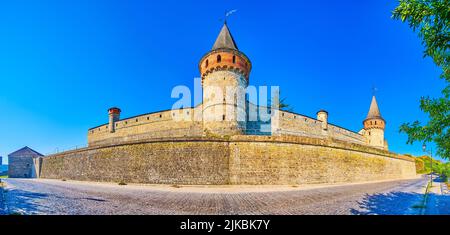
225 75
374 126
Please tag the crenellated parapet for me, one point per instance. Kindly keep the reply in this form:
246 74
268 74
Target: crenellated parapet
225 60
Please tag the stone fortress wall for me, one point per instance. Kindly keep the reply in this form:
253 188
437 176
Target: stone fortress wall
184 123
185 147
148 126
238 160
159 148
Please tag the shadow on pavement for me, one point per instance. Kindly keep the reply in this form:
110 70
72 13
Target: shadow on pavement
395 203
21 202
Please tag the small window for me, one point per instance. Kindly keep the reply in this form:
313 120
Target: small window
137 120
117 124
206 63
160 116
375 122
148 118
234 59
219 59
126 122
223 117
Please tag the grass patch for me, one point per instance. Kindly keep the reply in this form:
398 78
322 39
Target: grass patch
122 183
15 213
4 177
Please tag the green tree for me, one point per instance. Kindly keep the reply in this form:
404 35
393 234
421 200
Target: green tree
431 19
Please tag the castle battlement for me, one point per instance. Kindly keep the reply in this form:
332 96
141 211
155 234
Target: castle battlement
222 68
208 145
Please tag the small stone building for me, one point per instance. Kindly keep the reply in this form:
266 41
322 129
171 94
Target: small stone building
24 163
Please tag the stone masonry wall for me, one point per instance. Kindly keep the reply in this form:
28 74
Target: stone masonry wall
188 123
254 160
299 125
176 123
155 163
21 167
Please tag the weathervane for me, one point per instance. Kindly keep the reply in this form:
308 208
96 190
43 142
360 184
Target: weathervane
374 90
227 14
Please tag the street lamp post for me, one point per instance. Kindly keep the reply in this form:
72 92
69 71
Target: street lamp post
424 147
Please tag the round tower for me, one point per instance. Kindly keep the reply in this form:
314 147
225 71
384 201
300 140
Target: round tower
225 75
374 126
114 116
322 116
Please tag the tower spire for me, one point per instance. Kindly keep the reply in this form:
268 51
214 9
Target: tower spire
225 40
374 111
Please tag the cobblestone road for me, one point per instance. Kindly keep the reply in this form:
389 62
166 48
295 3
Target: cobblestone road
58 197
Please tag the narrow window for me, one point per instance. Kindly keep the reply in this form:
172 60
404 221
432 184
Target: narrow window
137 120
160 116
375 122
219 59
234 59
148 118
223 117
206 63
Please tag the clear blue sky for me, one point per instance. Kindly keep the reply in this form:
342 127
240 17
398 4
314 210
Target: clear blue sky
63 63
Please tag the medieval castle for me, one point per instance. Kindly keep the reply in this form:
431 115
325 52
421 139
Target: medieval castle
225 70
217 142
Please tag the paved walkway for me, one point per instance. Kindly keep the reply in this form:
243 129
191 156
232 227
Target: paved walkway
58 197
438 202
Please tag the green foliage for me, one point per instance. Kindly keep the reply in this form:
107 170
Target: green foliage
285 106
282 104
431 18
423 166
420 166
